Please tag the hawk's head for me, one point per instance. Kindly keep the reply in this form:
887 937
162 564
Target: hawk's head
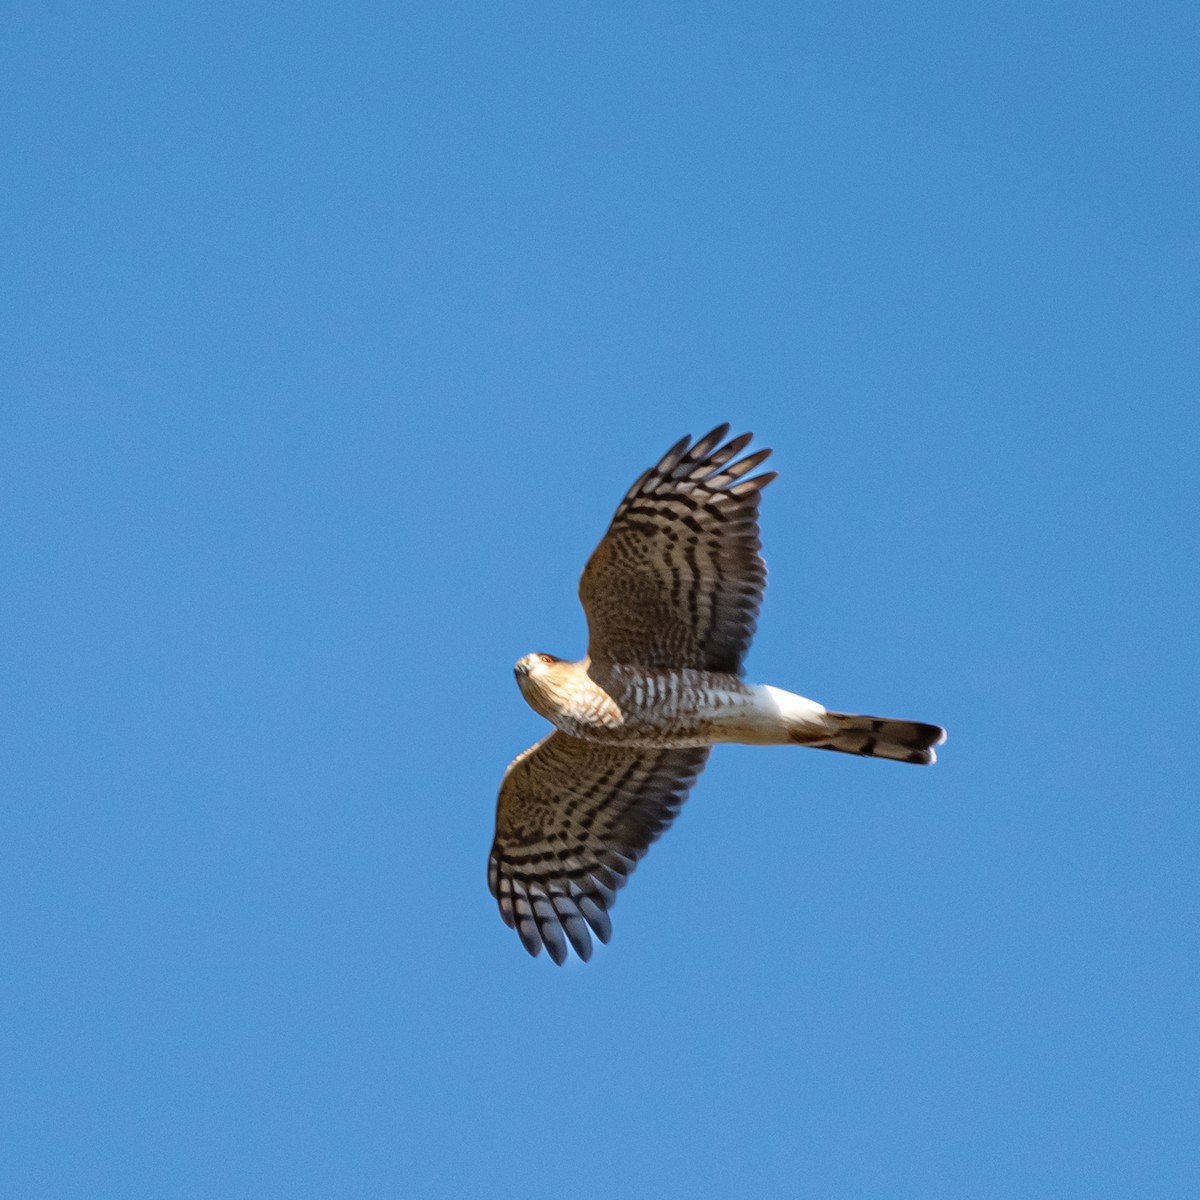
531 663
538 676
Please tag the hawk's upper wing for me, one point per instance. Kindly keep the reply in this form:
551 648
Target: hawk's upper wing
677 580
572 822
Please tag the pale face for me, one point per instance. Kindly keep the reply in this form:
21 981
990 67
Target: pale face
536 677
532 664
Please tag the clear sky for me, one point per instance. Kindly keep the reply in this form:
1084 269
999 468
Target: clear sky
332 335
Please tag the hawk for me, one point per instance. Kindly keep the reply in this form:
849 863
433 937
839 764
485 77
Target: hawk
671 594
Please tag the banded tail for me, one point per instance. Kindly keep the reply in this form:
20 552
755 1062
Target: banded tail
879 737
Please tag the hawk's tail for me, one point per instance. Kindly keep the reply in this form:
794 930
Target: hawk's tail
879 737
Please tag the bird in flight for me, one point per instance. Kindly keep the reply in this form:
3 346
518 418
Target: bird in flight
671 594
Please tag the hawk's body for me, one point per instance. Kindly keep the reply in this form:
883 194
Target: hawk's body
672 595
620 705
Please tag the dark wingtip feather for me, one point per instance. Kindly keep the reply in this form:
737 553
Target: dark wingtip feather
708 443
597 917
706 466
754 484
574 925
671 459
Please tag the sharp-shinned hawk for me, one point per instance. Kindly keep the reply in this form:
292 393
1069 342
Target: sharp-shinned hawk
671 594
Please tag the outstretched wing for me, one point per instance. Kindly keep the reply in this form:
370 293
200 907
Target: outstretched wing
678 578
572 822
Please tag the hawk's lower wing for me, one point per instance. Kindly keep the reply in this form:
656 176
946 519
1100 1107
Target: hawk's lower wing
572 822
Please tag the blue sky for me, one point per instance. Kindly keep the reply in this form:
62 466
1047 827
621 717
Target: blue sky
331 338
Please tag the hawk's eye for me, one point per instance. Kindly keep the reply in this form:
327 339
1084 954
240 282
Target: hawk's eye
546 658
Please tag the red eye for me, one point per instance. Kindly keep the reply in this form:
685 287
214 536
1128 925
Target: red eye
546 658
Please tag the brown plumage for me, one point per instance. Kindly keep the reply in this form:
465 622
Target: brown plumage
672 595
